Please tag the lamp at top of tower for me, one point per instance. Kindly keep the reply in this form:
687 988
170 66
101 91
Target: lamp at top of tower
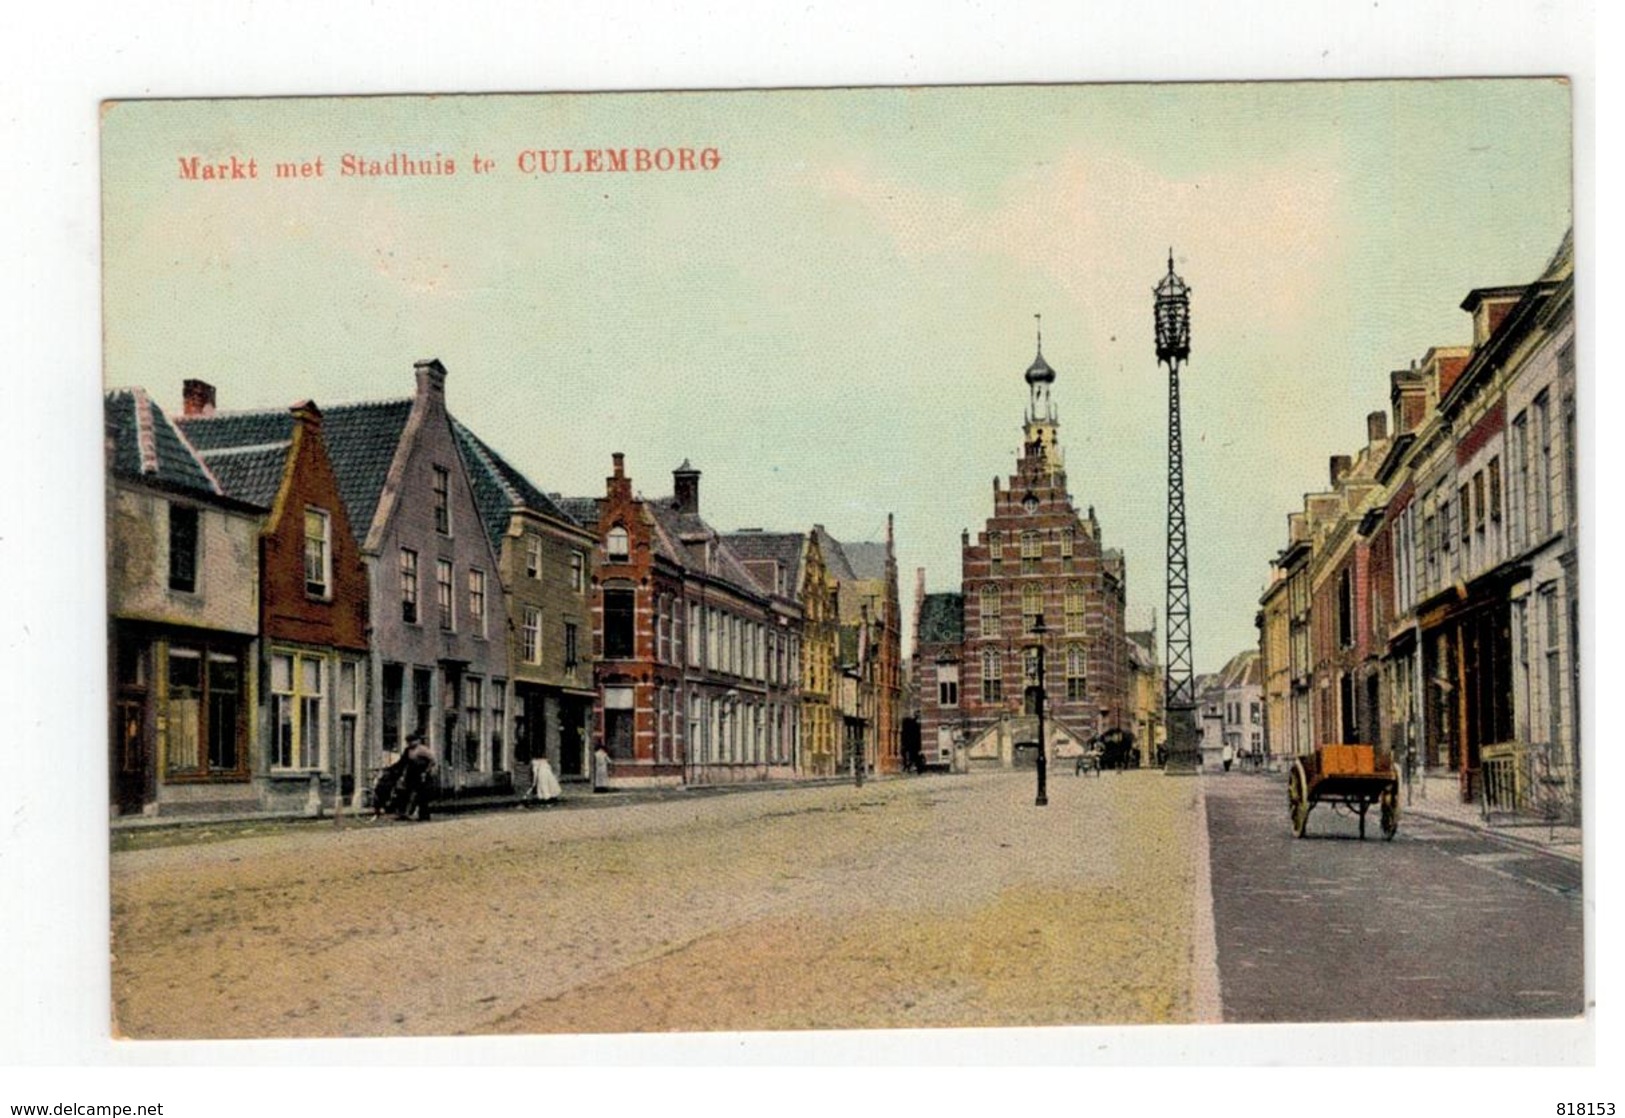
1173 311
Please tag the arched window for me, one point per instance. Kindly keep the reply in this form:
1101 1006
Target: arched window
1032 605
616 544
990 610
1032 550
1074 673
992 679
1075 600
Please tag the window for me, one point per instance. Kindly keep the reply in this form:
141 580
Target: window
530 635
990 610
578 568
1495 490
183 548
1075 679
1032 606
992 681
1345 609
318 556
205 689
617 545
1029 667
349 704
473 721
393 688
499 714
409 586
618 621
696 636
1074 609
1478 501
442 500
1464 513
1032 551
442 579
1067 539
476 601
948 685
1553 681
1543 467
297 729
995 546
571 656
1518 498
696 719
533 555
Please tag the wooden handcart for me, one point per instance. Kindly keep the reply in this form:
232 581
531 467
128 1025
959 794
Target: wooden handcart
1354 776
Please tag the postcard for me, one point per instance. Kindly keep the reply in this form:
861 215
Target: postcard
838 559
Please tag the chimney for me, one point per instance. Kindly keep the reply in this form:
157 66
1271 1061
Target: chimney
1340 466
1408 392
197 397
619 486
431 376
1376 427
685 481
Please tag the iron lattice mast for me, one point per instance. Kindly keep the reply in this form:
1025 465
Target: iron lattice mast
1173 321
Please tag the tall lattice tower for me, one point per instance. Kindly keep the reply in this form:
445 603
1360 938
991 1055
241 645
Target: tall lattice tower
1173 316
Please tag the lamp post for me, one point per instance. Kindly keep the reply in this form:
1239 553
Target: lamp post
1173 324
1039 631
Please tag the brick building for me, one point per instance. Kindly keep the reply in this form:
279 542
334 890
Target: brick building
1036 557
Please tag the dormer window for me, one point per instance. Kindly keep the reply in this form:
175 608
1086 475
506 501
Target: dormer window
617 545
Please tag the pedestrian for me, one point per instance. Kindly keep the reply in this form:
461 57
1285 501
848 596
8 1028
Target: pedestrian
418 782
600 768
1228 755
547 785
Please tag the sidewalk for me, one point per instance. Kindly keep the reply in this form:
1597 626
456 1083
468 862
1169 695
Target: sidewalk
577 794
1439 798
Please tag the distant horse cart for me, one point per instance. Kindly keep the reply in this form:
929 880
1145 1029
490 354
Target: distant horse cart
1353 777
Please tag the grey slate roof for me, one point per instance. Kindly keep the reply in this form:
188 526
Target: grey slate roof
783 548
867 560
252 474
698 546
942 619
582 510
834 555
499 488
361 441
147 445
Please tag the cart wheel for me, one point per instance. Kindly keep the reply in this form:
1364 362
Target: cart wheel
1297 798
1390 811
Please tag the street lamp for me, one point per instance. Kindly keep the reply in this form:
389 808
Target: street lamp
1039 630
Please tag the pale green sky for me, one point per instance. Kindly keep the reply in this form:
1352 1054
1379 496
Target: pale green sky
834 324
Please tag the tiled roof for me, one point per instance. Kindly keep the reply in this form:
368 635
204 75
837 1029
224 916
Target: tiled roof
499 488
834 555
361 441
582 510
783 548
942 619
147 445
867 560
699 545
252 474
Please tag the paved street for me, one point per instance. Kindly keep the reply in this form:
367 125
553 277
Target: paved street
1440 923
930 901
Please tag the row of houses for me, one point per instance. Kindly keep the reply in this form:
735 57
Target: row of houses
1428 598
293 593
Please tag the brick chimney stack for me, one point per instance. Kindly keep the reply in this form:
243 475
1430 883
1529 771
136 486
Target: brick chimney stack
685 480
619 485
431 377
197 398
1376 427
1340 466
